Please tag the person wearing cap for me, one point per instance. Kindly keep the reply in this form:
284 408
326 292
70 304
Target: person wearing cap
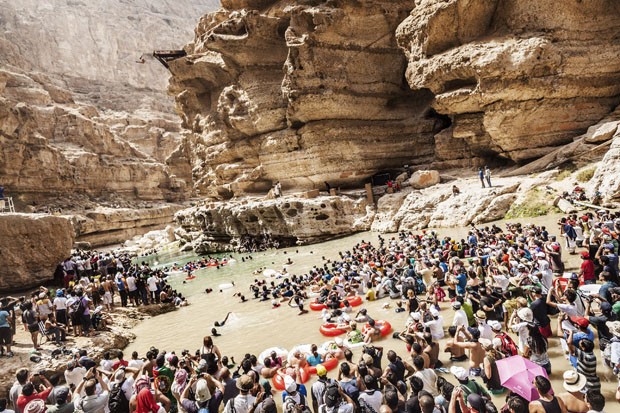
519 324
547 403
540 311
584 359
202 395
586 270
435 325
60 307
336 401
467 385
483 326
319 387
460 317
63 402
573 397
243 402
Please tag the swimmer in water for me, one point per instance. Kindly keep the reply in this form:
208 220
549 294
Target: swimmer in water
218 324
214 332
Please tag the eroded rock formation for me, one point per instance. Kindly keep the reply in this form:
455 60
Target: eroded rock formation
300 92
314 91
31 246
224 226
82 102
518 77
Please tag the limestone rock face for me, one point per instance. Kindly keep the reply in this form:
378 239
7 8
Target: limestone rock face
517 77
78 111
107 226
424 179
439 208
300 92
606 179
222 226
30 248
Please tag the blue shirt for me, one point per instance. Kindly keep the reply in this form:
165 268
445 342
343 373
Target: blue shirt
300 388
313 361
4 319
462 283
577 337
604 291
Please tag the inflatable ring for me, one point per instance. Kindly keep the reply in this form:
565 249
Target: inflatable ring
278 379
191 277
225 286
383 326
354 301
280 352
212 264
330 364
304 349
330 330
316 306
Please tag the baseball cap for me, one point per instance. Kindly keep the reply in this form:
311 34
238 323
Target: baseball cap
321 370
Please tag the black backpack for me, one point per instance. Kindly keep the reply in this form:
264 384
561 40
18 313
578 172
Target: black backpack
117 402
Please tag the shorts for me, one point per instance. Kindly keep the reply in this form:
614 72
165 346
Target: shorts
33 328
107 298
6 338
133 294
546 331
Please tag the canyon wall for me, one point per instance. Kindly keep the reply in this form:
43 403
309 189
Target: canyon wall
300 92
336 91
83 108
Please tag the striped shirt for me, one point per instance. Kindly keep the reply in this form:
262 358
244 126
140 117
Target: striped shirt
586 365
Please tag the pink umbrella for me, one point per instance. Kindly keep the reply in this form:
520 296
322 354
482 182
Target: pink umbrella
517 374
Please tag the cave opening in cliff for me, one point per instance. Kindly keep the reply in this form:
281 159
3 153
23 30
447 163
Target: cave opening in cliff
441 121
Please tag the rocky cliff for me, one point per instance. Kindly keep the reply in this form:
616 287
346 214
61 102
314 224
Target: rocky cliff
517 77
301 92
313 91
31 246
291 220
79 112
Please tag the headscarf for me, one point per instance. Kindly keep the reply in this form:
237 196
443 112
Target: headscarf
180 381
145 402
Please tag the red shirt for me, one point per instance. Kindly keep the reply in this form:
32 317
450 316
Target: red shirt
587 268
119 363
22 400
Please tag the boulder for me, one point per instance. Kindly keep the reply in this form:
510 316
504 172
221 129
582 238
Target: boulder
31 246
424 179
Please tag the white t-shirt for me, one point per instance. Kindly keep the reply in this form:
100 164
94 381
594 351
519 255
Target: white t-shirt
75 376
460 318
436 327
486 331
429 378
135 364
523 332
152 283
131 283
570 310
60 303
374 399
343 408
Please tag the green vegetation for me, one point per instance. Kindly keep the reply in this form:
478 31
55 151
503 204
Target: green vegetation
585 175
537 203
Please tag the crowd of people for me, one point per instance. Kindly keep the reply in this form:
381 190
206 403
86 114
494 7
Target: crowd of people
506 287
